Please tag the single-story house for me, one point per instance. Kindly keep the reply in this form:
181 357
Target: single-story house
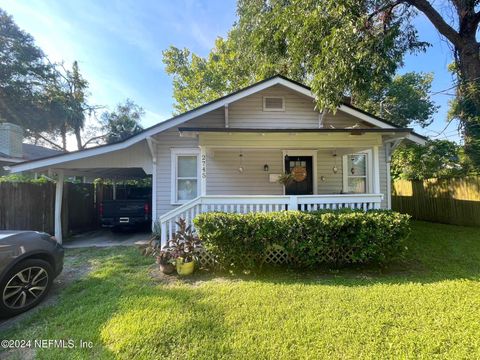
229 154
13 150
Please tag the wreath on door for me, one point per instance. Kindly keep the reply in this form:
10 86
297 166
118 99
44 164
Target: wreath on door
299 173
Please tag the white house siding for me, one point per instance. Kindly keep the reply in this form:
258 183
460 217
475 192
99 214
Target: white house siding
222 165
299 112
223 177
135 156
332 183
171 139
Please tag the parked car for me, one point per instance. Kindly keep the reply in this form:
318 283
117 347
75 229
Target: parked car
29 262
134 211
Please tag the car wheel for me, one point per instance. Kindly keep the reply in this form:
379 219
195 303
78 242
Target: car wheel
24 286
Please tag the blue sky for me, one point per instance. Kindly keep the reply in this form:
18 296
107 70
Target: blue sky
118 44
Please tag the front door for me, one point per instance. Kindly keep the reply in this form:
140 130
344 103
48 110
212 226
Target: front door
302 172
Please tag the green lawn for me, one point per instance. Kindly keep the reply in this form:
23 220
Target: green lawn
428 307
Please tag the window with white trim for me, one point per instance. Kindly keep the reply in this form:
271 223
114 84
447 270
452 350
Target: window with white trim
185 175
355 173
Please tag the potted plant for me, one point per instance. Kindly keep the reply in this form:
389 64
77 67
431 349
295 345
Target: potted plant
164 257
285 178
182 245
166 261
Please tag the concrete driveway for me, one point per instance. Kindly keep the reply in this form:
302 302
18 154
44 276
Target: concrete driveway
107 238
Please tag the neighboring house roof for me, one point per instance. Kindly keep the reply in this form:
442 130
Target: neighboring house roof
201 110
34 152
30 152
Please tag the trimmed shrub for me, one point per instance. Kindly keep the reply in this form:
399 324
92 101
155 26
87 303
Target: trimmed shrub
310 238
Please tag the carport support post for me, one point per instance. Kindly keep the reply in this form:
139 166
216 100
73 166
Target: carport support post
114 190
58 205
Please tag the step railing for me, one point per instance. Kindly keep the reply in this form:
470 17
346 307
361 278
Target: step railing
262 203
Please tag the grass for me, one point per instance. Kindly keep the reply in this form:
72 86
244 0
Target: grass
426 308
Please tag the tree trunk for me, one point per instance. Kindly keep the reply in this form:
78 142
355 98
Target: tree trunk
467 59
468 97
63 132
78 136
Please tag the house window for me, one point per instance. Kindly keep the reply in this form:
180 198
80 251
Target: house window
355 173
185 178
273 103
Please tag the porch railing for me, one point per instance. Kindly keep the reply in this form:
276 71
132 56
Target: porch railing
262 203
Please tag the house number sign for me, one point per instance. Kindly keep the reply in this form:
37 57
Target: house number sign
299 173
204 166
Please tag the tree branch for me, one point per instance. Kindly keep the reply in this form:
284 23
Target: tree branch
50 142
388 6
436 19
93 139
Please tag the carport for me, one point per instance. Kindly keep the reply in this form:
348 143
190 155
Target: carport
116 162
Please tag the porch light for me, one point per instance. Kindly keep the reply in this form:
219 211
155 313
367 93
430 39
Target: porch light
265 167
241 168
335 168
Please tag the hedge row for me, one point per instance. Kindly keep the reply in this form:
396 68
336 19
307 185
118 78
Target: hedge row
242 240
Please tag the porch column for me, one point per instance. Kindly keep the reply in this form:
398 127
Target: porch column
58 205
203 171
376 172
152 145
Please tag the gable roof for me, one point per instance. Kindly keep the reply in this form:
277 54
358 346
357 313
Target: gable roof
201 110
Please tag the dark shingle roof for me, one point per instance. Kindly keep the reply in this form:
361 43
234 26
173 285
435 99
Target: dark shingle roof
33 152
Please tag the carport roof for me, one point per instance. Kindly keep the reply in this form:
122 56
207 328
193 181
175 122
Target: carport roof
108 173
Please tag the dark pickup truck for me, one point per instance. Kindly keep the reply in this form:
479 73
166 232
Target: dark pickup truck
128 213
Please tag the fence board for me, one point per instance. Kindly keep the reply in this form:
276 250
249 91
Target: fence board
450 201
27 206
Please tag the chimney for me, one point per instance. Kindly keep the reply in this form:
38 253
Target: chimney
11 138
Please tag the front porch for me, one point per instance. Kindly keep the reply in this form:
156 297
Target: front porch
239 172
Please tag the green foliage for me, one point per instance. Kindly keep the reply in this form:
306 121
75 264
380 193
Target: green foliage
424 308
123 122
19 178
403 101
145 182
24 75
242 240
437 159
335 47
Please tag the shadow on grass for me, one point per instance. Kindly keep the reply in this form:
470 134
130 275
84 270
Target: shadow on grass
120 310
436 252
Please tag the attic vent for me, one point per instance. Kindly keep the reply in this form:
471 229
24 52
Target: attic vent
273 103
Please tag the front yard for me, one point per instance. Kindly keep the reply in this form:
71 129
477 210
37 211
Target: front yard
427 307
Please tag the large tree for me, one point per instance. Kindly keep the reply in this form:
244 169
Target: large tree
437 159
24 75
123 122
66 98
339 47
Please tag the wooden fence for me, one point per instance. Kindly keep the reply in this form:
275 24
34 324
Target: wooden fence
28 206
450 201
